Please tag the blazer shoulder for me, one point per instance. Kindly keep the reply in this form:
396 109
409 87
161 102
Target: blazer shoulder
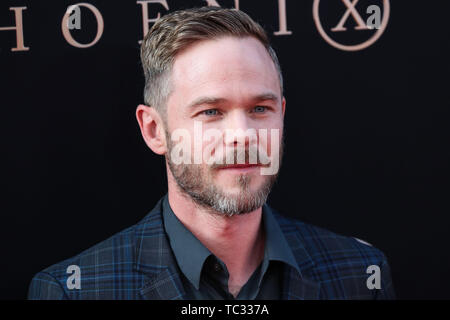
342 265
107 270
96 266
119 245
326 247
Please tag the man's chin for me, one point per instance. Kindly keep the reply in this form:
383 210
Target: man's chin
238 193
237 184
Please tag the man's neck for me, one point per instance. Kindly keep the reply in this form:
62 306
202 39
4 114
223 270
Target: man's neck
238 240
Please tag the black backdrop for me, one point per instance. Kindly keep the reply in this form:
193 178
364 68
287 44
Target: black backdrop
367 134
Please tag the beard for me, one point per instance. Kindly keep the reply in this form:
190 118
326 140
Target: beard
199 186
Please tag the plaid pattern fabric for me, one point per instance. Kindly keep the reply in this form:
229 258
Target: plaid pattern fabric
138 263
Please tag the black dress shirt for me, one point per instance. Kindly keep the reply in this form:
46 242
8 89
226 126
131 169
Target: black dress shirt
205 277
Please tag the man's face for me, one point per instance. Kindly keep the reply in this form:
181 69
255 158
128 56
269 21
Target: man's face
226 85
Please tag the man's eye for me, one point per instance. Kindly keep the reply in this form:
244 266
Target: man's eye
260 109
210 112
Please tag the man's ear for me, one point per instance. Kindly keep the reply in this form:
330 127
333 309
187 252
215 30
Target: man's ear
283 106
152 128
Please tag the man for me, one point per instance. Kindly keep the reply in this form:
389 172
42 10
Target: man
213 91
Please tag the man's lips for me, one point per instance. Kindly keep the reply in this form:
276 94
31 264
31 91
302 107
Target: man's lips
240 166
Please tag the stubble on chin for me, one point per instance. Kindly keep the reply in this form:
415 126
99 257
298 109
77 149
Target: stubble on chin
198 184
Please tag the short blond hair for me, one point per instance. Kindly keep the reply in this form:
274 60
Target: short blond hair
180 29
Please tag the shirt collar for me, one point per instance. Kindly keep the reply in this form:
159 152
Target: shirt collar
191 254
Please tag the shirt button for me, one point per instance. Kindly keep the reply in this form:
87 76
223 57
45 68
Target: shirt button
217 267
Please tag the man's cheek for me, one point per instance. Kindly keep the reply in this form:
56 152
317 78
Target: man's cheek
273 151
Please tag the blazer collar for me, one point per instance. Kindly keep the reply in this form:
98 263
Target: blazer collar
298 284
155 259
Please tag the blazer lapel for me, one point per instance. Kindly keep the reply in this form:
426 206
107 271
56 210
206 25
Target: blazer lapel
155 259
297 285
166 285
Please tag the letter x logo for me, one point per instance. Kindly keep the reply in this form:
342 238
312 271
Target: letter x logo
361 25
350 5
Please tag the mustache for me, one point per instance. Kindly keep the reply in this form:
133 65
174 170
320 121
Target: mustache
240 155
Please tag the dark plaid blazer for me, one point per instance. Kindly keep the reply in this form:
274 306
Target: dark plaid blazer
138 263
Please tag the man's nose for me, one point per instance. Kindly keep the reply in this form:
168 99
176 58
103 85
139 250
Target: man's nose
238 130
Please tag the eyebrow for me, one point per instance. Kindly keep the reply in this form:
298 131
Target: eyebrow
216 100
